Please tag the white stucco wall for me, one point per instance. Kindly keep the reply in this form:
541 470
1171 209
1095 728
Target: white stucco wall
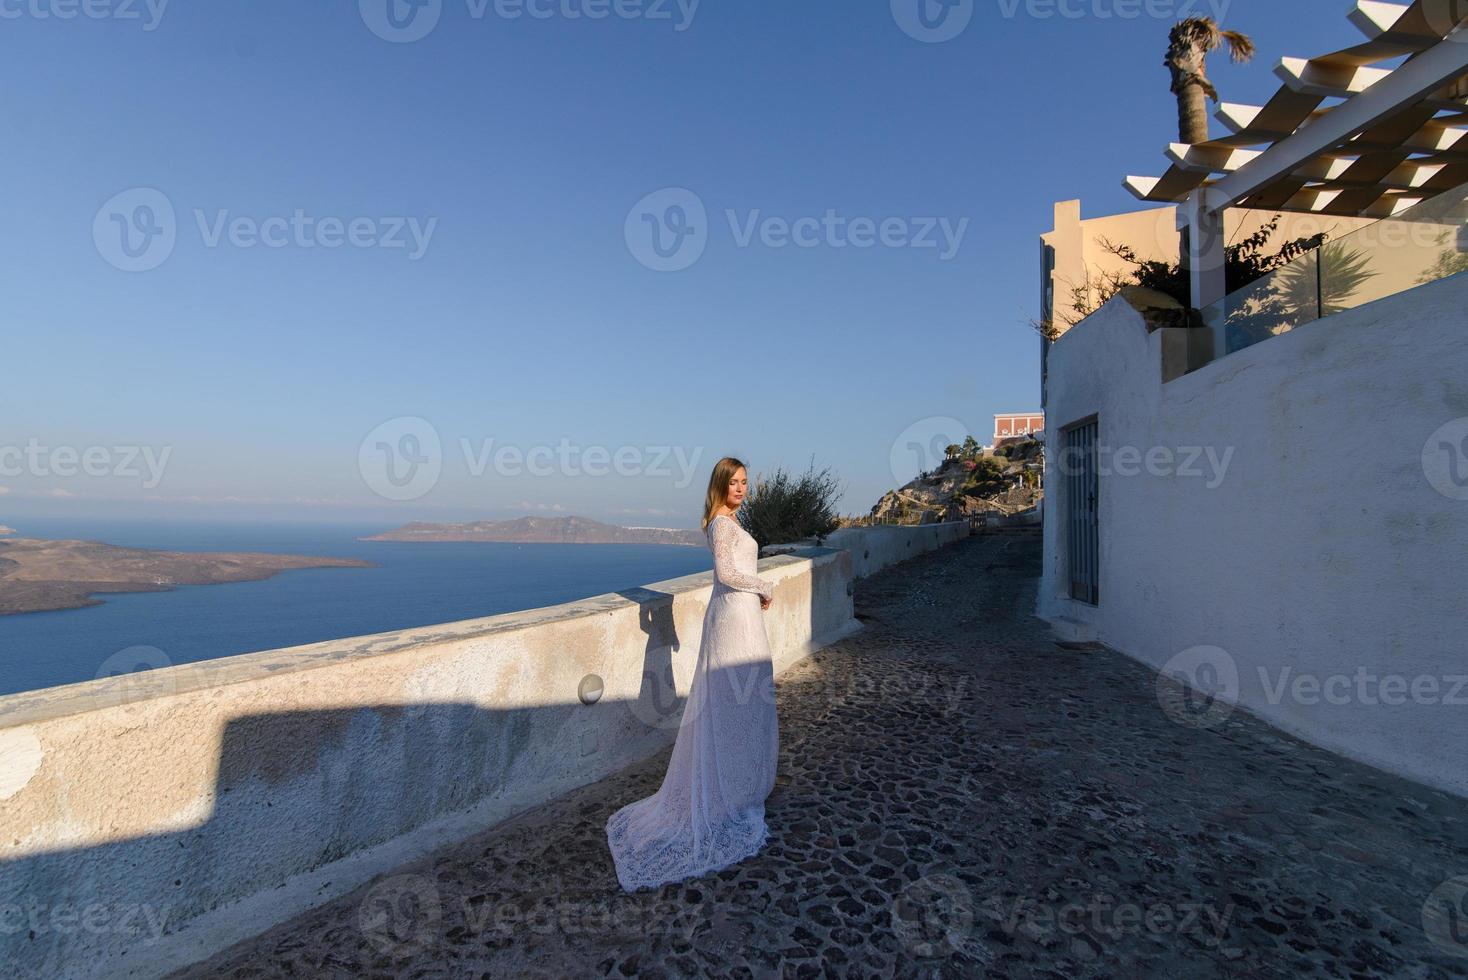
1312 555
187 808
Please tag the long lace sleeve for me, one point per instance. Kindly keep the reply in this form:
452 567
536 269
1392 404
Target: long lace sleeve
725 538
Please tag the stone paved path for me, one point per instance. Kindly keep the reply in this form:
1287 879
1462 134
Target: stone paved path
958 796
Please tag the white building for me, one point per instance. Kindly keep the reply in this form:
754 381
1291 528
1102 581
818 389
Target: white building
1274 509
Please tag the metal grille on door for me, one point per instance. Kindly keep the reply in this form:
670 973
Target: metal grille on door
1078 457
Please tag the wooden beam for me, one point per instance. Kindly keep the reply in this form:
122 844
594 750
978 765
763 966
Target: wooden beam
1388 95
1171 187
1284 113
1313 77
1207 158
1374 19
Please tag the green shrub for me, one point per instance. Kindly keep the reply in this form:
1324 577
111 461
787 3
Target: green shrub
783 508
988 475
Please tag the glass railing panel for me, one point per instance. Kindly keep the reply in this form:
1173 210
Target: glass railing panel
1422 244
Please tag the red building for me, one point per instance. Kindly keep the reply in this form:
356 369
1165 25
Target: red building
1018 424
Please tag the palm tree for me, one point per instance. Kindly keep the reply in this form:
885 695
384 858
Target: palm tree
1188 45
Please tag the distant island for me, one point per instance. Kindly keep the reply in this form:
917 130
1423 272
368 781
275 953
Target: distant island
39 575
543 530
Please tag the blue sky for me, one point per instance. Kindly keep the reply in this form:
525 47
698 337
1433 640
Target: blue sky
453 225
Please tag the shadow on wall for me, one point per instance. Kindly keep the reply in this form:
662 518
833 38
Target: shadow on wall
294 791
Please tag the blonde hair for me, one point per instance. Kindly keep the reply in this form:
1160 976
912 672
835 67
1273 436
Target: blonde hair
718 494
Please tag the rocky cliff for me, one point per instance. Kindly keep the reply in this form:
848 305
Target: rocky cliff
1002 481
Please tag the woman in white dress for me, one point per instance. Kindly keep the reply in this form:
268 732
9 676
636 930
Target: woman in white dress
710 811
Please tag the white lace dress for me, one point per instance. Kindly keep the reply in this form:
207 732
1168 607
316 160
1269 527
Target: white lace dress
710 811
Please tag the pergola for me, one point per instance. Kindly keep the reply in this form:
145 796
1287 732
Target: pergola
1390 137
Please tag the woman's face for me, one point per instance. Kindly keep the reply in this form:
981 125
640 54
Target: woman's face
738 487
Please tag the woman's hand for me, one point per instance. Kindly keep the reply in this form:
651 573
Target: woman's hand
766 603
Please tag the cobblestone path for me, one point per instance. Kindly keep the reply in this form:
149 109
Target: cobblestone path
958 796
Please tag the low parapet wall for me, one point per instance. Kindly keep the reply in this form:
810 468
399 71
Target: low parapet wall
149 820
876 547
